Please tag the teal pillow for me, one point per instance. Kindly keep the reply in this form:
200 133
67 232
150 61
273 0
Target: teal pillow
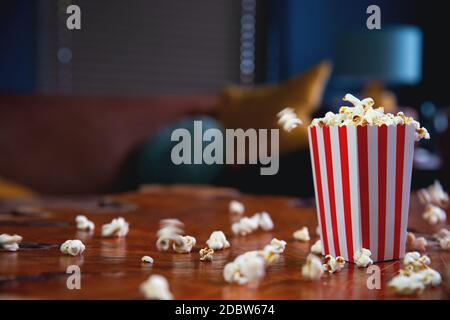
154 163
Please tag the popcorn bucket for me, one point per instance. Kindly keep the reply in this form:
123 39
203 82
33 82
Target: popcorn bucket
362 181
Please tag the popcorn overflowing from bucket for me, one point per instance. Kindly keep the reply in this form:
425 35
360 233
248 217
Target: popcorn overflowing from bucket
363 113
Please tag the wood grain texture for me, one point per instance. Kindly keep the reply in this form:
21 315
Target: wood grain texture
111 268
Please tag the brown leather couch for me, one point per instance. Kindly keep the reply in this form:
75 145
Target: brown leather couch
73 145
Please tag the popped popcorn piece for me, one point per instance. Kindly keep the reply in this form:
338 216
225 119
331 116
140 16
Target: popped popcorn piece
247 225
288 119
278 245
445 243
407 285
217 241
430 277
419 243
313 268
206 254
156 287
442 234
245 268
183 244
265 221
10 242
316 248
302 234
434 194
170 227
244 226
318 230
163 243
363 113
171 222
236 207
83 223
434 215
72 247
117 227
147 259
333 264
416 261
232 274
270 253
171 231
362 258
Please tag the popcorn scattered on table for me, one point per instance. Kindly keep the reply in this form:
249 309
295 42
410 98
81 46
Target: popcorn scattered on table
419 243
84 224
10 242
316 248
117 227
251 265
156 287
206 254
72 247
434 215
434 194
247 225
217 241
362 258
313 268
288 119
147 259
302 234
333 264
416 275
236 207
183 244
363 114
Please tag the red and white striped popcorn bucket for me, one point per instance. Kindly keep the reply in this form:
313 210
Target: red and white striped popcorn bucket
362 182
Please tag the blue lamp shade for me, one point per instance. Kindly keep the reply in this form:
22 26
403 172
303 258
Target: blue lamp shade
392 55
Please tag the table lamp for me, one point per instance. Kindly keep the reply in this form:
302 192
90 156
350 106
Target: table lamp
389 56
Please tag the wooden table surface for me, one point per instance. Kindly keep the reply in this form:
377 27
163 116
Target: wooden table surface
111 268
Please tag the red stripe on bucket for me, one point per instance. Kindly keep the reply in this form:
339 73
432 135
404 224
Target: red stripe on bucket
318 175
382 178
343 144
399 162
364 185
332 198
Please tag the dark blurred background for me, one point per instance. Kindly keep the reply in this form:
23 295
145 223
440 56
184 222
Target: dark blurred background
86 111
